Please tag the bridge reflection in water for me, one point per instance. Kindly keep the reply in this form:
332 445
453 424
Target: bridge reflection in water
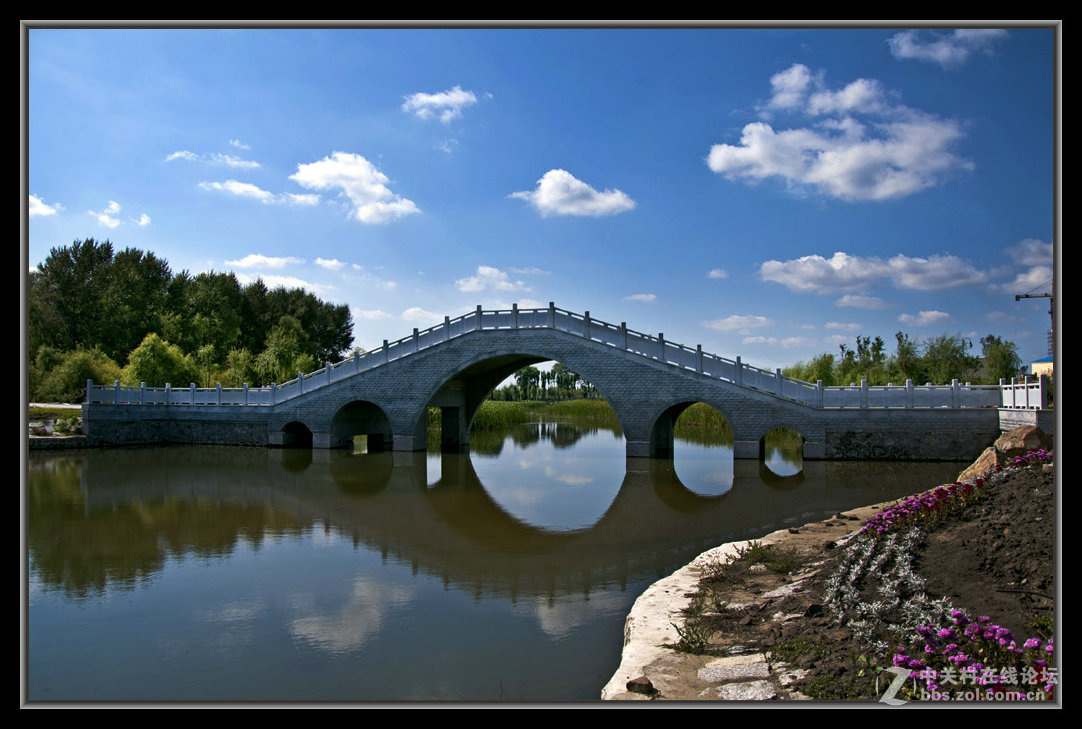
548 527
216 572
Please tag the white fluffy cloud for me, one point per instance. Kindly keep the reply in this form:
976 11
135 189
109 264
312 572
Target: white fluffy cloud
890 151
718 273
559 192
446 105
1036 256
843 272
107 217
254 192
331 264
360 182
1031 252
371 314
39 208
290 282
856 301
946 49
417 315
489 278
842 326
924 318
229 160
256 260
737 323
645 298
784 343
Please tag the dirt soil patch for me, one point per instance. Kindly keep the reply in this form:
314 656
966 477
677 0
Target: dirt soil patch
993 558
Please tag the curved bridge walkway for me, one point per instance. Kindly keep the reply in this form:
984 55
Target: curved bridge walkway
648 381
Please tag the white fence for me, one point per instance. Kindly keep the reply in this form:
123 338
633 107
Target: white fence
1021 395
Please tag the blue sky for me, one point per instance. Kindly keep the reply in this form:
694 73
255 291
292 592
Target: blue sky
767 193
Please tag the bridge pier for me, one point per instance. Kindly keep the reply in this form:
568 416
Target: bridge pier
750 449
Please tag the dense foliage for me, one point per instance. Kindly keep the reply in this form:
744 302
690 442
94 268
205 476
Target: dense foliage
100 315
559 383
937 360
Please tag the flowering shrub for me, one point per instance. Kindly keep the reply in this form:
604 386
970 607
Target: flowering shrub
929 507
1033 458
978 656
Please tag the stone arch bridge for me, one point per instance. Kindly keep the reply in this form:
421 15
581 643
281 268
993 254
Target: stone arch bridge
385 394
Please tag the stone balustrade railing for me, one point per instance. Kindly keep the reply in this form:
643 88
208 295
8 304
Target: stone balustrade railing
1029 395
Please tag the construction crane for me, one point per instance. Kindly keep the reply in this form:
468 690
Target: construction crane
1051 312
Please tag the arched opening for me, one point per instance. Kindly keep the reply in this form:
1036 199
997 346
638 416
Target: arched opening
361 426
699 439
502 391
781 450
296 435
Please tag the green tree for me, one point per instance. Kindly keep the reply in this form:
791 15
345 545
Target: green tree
946 357
238 368
999 359
66 380
67 295
907 362
527 380
134 301
157 362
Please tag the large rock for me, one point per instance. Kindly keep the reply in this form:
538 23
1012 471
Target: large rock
1021 440
985 464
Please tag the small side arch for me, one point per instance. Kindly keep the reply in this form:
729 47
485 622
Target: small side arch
361 417
295 434
663 430
781 450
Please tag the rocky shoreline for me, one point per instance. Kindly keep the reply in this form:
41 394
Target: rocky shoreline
739 662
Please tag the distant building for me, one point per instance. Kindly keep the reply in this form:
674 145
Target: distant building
1042 366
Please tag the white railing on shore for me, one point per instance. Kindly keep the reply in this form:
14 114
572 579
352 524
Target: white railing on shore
1030 395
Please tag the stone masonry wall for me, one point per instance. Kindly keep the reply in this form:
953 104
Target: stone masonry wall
639 390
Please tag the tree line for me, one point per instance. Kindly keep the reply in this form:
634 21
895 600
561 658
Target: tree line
936 359
102 315
558 383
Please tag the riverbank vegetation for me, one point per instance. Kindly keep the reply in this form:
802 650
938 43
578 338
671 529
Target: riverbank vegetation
932 584
96 314
937 359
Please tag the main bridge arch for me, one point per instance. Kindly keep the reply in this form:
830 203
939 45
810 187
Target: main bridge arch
462 388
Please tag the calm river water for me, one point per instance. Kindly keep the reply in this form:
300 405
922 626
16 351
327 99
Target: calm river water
213 573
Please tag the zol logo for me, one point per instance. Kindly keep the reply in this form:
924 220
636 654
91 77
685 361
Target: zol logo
900 675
